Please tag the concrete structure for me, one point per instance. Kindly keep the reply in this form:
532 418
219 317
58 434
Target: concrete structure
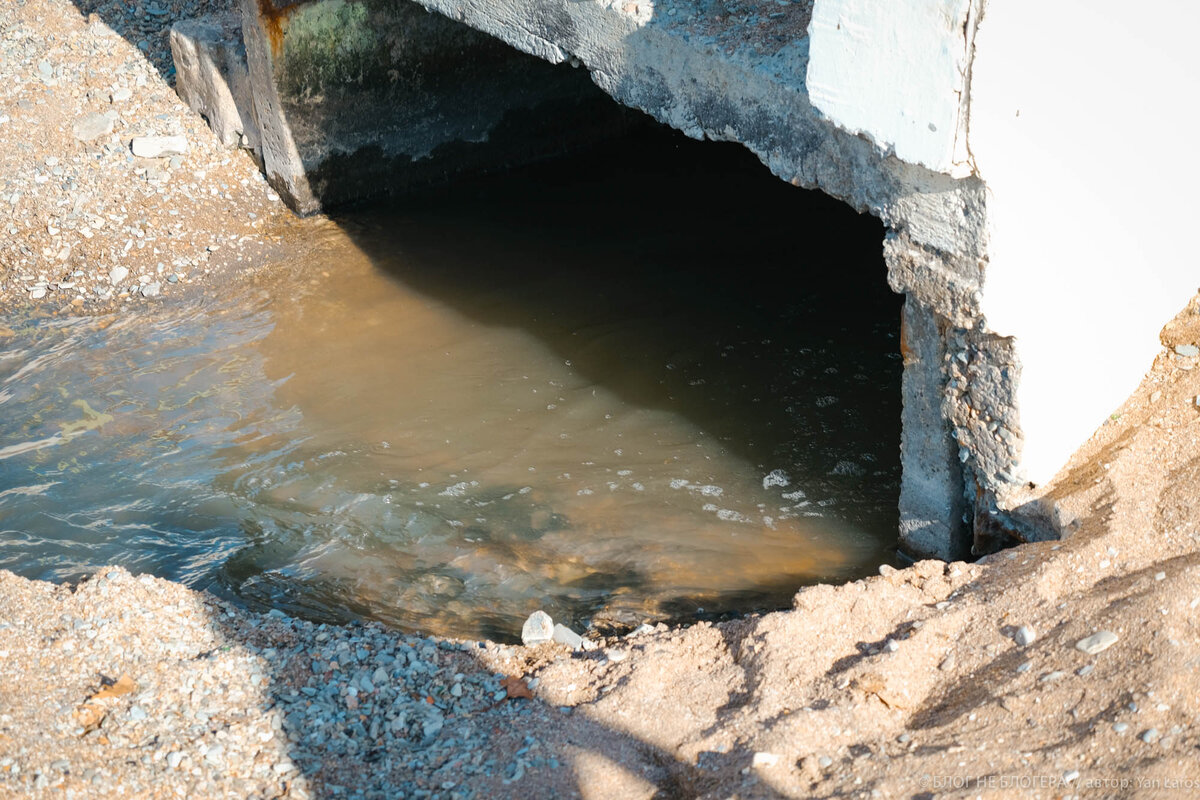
1036 271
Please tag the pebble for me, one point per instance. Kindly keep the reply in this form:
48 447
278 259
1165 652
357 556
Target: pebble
1150 736
121 95
152 289
158 146
117 274
824 761
1120 727
1025 636
92 126
538 628
564 635
1097 642
1187 350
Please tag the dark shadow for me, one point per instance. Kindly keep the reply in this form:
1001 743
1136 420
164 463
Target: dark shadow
445 744
146 24
650 258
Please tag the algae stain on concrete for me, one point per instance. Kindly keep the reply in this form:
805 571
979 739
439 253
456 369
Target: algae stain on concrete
328 44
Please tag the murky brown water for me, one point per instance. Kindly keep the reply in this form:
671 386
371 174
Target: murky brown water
631 385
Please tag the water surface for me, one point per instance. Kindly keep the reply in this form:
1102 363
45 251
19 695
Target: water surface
649 382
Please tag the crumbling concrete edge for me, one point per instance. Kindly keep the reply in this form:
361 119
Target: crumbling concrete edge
281 158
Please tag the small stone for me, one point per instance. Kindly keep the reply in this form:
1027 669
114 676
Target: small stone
152 289
538 628
173 758
947 663
891 645
1150 736
137 714
1070 775
1097 642
158 146
37 292
564 635
121 95
117 274
1160 576
456 690
172 278
1024 667
1187 350
92 126
1120 727
1025 636
1085 670
763 759
824 761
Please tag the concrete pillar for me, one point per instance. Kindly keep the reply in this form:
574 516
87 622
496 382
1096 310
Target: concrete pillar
933 521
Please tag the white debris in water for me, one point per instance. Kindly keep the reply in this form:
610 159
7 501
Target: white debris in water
707 490
729 515
525 490
827 400
679 483
847 468
796 495
638 487
584 492
458 489
624 472
776 477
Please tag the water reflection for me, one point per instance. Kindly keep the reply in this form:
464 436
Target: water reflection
615 388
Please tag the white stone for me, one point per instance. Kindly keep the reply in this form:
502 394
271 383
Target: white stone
1097 642
93 126
117 274
538 628
159 146
1024 636
564 635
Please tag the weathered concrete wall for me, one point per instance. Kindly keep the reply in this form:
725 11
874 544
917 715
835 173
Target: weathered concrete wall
1087 242
356 98
213 79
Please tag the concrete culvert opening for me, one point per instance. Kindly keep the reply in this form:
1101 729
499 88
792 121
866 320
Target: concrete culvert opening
708 406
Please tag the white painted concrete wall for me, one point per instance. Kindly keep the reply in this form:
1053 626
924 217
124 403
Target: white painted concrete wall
1080 119
895 72
1083 118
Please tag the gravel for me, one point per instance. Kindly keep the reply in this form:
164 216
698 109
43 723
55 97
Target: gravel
77 204
222 702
